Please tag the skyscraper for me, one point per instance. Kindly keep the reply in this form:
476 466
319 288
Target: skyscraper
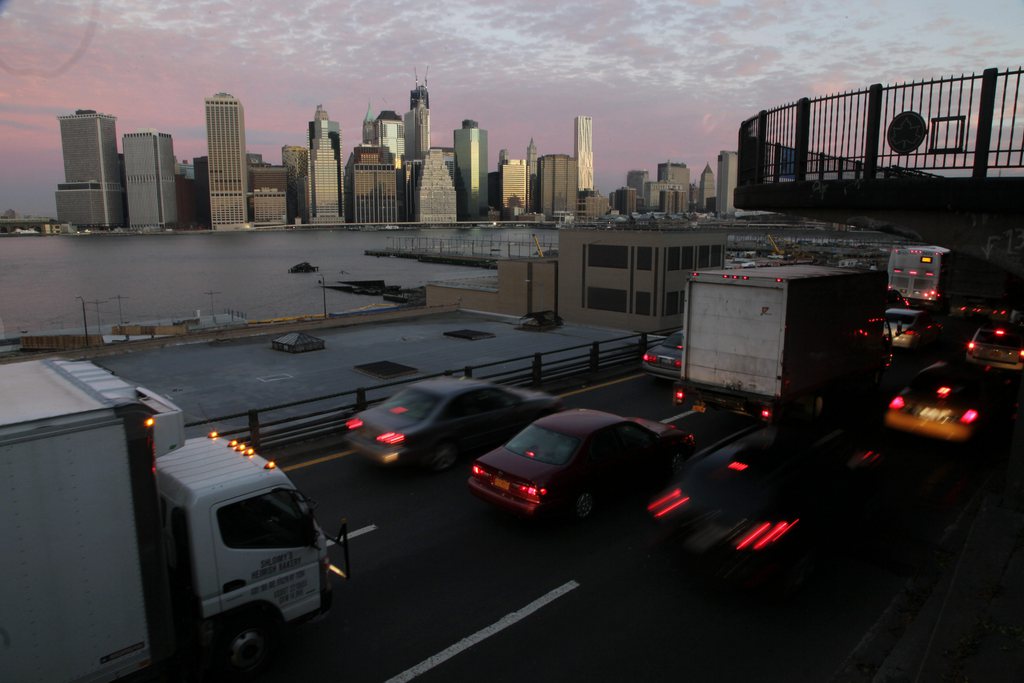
417 123
531 177
325 194
390 133
707 188
225 137
513 188
584 152
91 192
471 170
636 180
557 183
149 173
369 127
295 160
269 193
727 166
371 192
435 194
675 173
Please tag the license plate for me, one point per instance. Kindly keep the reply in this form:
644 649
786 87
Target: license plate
933 414
699 408
501 483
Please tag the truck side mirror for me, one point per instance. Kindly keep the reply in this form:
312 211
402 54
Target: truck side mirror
342 540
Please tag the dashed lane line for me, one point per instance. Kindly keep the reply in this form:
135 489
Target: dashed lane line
356 533
468 642
317 461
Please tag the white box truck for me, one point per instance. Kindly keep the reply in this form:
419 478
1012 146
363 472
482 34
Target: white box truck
129 552
782 340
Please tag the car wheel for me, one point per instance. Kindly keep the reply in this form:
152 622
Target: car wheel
677 461
245 647
583 507
796 577
444 456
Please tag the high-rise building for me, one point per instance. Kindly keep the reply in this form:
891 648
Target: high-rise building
417 123
584 151
295 160
502 157
707 188
624 199
435 193
390 133
513 188
90 195
202 188
325 194
531 177
471 170
557 185
269 193
636 180
225 137
727 167
653 190
369 127
149 174
675 173
371 190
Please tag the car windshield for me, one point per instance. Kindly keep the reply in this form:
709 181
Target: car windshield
907 318
675 340
998 338
414 404
543 445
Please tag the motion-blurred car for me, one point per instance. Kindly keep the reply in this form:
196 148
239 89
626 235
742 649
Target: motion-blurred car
912 329
664 358
431 422
756 511
568 461
998 347
949 402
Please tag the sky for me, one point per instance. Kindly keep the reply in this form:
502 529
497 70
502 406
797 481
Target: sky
662 80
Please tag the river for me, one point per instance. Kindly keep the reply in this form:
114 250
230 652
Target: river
161 277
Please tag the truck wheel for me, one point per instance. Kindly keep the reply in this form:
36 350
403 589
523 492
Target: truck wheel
444 456
245 646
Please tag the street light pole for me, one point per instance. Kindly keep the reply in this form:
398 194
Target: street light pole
323 290
85 322
212 311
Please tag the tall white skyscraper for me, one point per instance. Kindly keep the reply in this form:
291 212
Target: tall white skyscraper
728 164
91 192
417 123
149 175
531 176
390 134
326 175
584 153
225 137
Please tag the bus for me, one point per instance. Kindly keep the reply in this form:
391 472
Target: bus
921 275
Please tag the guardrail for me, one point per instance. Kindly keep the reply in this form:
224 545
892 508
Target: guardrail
288 423
956 123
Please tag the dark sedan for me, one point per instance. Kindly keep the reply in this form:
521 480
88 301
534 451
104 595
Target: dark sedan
569 460
431 422
757 510
664 358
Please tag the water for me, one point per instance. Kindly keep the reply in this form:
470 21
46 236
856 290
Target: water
172 275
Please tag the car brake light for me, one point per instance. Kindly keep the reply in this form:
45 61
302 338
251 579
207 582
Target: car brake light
650 358
667 503
479 471
678 363
943 392
897 403
766 413
738 466
530 492
391 438
969 417
910 333
1000 333
354 423
970 346
764 534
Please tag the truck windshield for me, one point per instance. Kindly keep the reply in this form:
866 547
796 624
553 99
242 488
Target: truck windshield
270 520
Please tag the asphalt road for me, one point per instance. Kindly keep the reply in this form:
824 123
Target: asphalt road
444 588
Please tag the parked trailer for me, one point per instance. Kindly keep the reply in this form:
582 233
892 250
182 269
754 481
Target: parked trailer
129 552
778 341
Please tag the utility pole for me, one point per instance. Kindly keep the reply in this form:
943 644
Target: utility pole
120 313
85 322
323 290
213 312
96 304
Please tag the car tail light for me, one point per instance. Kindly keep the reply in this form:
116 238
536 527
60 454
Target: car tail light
354 423
766 414
738 466
1000 333
479 471
764 534
667 503
678 363
530 492
943 392
970 346
897 403
391 438
969 417
910 333
650 358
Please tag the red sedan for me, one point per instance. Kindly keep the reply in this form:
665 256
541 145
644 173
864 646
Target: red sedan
566 461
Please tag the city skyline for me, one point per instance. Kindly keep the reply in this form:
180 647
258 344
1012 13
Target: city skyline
676 90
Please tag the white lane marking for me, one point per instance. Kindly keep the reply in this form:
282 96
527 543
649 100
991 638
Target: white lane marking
273 378
466 643
357 532
680 416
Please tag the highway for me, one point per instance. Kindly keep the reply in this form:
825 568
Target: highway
443 588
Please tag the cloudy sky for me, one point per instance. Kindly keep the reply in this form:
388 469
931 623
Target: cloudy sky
661 79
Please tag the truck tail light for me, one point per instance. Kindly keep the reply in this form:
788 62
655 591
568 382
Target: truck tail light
678 396
766 414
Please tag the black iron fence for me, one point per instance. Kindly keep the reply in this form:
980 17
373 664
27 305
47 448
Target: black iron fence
321 416
961 123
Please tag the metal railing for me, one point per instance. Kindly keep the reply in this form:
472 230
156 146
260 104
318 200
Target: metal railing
320 416
958 123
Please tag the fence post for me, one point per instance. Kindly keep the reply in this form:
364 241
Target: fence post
536 369
803 136
872 131
467 371
595 356
986 109
643 345
254 429
360 399
762 135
